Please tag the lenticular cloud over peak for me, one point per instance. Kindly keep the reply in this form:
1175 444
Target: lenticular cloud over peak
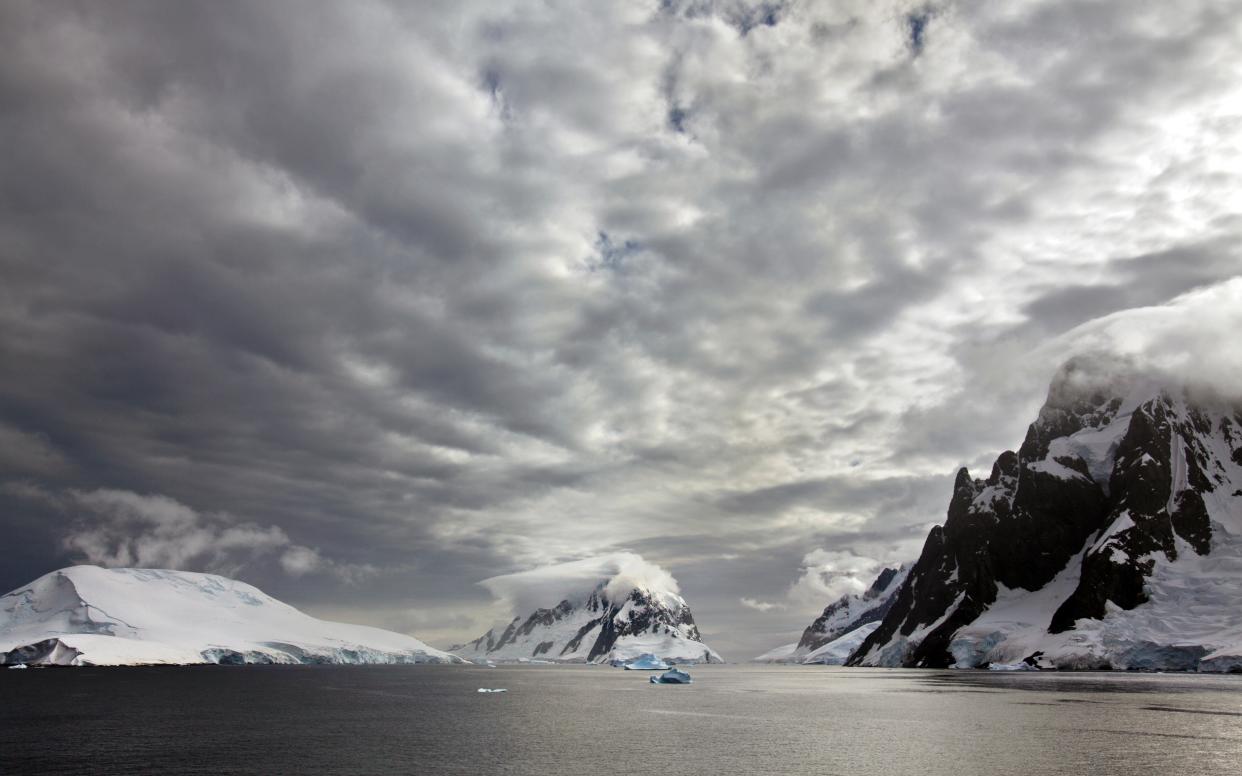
1189 340
546 586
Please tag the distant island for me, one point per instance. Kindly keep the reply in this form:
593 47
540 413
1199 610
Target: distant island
87 615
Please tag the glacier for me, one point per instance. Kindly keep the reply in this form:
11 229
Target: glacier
87 615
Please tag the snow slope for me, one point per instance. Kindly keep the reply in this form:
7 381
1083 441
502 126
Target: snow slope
86 615
837 651
843 616
786 653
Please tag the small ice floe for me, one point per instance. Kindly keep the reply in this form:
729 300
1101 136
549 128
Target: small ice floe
493 689
1012 667
646 662
18 665
672 676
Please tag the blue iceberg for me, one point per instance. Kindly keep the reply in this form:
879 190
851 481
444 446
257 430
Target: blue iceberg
672 676
646 662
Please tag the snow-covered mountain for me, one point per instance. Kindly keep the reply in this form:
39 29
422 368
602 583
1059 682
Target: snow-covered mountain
86 615
1112 538
614 618
846 621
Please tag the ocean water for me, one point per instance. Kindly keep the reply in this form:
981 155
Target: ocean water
597 720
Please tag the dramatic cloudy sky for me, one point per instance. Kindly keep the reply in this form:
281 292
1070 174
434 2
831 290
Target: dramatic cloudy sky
366 302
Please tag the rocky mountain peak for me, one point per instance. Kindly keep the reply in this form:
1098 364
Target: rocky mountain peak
1120 477
598 629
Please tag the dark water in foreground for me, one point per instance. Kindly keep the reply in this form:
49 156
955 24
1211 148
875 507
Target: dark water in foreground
596 720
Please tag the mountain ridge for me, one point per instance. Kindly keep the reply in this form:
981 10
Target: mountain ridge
1125 491
840 624
599 629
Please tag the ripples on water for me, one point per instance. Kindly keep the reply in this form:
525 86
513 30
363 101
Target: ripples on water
597 720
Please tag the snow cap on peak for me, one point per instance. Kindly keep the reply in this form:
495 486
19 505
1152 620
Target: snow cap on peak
616 575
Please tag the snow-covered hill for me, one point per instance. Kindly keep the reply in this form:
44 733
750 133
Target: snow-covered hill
614 617
86 615
1112 538
843 622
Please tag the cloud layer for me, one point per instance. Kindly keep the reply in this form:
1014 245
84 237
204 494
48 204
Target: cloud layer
465 290
616 574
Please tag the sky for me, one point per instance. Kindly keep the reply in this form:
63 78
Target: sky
366 303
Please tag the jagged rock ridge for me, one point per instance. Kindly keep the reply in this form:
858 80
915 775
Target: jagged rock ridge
598 629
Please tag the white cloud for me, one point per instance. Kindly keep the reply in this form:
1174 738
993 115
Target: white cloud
1192 338
297 561
546 586
826 575
122 528
119 528
759 606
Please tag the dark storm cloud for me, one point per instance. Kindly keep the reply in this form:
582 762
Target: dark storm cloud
449 291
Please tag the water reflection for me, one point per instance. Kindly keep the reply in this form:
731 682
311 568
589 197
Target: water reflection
562 721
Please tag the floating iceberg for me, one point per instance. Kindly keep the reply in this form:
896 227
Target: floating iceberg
19 665
493 689
646 662
672 676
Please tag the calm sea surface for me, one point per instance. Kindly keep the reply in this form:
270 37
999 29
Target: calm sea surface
596 720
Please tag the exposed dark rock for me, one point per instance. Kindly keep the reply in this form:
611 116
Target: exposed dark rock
1042 509
645 614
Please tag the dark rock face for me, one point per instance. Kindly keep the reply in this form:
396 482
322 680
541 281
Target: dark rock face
1142 488
1129 488
646 615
